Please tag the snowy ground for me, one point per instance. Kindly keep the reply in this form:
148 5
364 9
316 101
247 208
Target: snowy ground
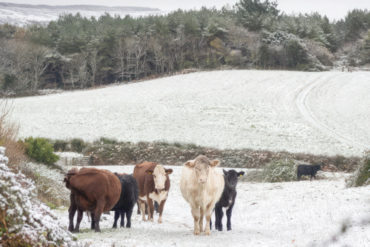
281 214
320 113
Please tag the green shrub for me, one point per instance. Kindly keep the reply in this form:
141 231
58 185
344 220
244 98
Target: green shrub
279 171
104 140
40 150
77 145
362 174
60 146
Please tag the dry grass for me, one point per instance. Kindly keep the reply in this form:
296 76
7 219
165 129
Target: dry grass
9 134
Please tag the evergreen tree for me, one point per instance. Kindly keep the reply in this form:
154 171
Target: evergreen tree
255 15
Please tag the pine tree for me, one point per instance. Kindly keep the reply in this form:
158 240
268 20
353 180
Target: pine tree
255 15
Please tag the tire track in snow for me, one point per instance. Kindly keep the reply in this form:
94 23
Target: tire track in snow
307 113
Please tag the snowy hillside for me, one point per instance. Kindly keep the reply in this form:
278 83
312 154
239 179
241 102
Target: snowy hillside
281 214
23 14
320 113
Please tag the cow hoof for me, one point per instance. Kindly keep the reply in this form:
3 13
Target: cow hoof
208 233
160 221
76 231
196 232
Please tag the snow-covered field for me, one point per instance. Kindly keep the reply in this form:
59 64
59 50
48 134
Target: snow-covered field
280 214
320 113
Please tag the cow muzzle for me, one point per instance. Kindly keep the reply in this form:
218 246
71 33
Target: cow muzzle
158 191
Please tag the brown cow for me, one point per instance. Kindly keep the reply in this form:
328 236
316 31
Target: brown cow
154 184
92 190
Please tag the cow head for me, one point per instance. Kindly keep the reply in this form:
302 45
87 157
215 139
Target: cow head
159 174
69 174
231 177
201 165
316 168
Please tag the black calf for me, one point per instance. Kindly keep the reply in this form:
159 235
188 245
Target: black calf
127 200
307 170
227 199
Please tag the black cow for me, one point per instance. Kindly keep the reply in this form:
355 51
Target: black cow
227 199
307 170
127 200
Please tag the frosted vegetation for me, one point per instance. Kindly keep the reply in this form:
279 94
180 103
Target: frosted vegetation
24 221
361 176
76 51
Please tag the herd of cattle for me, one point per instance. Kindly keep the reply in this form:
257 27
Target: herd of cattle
202 186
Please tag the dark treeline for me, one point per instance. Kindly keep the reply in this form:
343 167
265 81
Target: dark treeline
78 52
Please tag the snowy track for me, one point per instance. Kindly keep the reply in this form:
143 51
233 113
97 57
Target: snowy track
306 111
319 113
281 214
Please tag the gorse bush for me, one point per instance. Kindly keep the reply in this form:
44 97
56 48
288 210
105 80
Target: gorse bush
362 174
279 171
60 146
40 150
77 145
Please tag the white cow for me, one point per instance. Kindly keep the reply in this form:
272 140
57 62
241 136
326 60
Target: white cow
201 186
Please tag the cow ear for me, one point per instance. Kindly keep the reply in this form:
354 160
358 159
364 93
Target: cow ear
169 171
190 163
215 163
224 171
150 171
240 174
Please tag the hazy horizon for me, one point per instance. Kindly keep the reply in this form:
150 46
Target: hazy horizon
331 8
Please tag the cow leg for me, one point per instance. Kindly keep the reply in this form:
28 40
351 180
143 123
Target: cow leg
116 216
160 210
196 215
97 213
229 212
138 207
79 218
71 213
208 213
150 208
122 218
201 219
142 207
128 216
92 221
219 214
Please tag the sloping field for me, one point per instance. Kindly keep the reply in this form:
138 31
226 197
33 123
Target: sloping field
319 113
265 214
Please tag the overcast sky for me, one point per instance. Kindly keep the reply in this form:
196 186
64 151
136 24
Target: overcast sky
334 9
